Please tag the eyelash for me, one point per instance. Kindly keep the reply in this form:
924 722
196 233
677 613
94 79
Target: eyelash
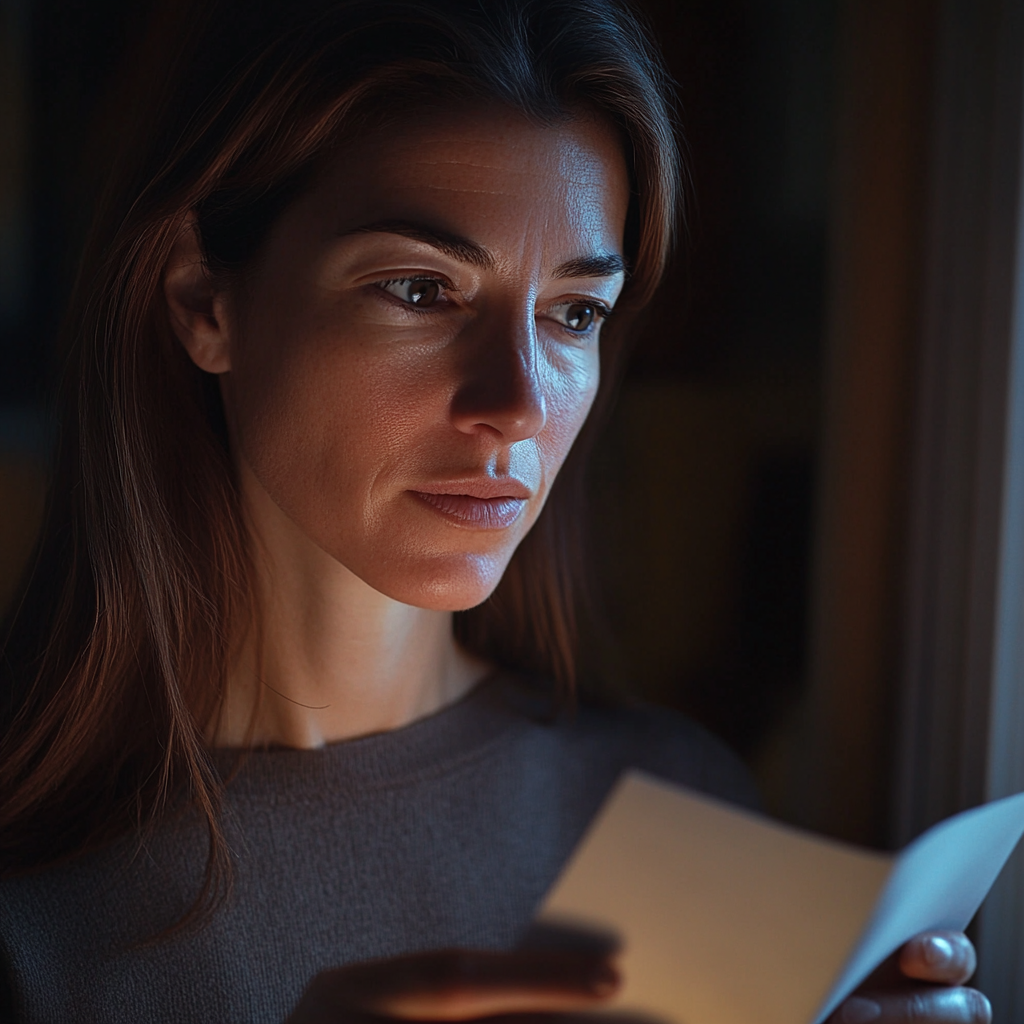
601 311
442 284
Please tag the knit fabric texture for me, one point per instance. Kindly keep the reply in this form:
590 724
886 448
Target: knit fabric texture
445 833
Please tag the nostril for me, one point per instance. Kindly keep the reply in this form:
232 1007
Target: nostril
508 400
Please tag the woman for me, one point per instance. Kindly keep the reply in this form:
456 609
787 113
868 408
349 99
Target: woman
279 720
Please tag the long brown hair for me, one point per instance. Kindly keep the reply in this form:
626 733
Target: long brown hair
115 657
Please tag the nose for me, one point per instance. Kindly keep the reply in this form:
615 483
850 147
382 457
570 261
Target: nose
501 389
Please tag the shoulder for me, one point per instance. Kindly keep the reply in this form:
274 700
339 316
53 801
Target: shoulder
612 736
671 746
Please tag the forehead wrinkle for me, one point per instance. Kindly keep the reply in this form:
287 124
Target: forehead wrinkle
461 163
589 176
466 191
592 182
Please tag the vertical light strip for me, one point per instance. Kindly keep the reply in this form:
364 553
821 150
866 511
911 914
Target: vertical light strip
1001 922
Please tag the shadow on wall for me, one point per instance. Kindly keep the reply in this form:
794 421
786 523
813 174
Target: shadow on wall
713 485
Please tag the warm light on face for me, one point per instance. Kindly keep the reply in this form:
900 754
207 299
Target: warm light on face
420 344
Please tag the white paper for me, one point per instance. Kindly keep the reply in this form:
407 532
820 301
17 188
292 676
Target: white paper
727 918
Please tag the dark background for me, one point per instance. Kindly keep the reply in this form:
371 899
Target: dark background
704 485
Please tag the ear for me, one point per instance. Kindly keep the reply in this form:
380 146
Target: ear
198 313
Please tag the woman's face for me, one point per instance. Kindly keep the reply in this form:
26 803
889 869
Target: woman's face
417 348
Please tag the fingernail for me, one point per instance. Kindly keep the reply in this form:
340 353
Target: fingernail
860 1011
937 951
604 980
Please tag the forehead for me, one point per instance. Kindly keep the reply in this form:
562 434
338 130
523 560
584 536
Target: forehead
480 172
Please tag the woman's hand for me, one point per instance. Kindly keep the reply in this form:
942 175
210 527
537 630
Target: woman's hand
458 985
922 983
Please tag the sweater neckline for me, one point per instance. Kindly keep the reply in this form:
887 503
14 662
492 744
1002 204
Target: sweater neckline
499 705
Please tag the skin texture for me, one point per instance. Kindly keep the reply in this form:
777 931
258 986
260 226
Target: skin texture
939 958
403 374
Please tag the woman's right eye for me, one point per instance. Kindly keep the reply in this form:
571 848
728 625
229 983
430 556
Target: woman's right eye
416 291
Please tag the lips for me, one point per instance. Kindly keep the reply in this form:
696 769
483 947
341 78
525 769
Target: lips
484 503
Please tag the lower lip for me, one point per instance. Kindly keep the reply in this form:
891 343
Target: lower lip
480 513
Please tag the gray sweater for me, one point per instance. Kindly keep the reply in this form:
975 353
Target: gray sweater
447 832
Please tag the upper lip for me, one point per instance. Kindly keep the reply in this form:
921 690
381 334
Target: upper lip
479 487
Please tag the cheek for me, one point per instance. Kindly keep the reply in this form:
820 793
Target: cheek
335 424
569 394
320 417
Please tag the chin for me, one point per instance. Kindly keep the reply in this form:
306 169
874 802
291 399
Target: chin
456 584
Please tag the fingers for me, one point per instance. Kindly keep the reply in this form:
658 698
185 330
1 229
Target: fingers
454 985
941 958
945 958
471 1004
460 985
921 1006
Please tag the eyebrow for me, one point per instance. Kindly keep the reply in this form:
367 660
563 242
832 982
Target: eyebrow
455 246
603 264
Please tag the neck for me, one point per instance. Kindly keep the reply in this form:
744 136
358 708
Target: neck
332 658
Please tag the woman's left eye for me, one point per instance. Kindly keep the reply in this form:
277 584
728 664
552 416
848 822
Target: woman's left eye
416 291
580 317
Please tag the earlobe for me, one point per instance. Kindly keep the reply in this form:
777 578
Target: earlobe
197 311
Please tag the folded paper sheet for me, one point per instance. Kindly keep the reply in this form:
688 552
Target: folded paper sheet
727 918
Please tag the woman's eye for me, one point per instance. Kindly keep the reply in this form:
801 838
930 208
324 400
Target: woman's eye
580 317
416 291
